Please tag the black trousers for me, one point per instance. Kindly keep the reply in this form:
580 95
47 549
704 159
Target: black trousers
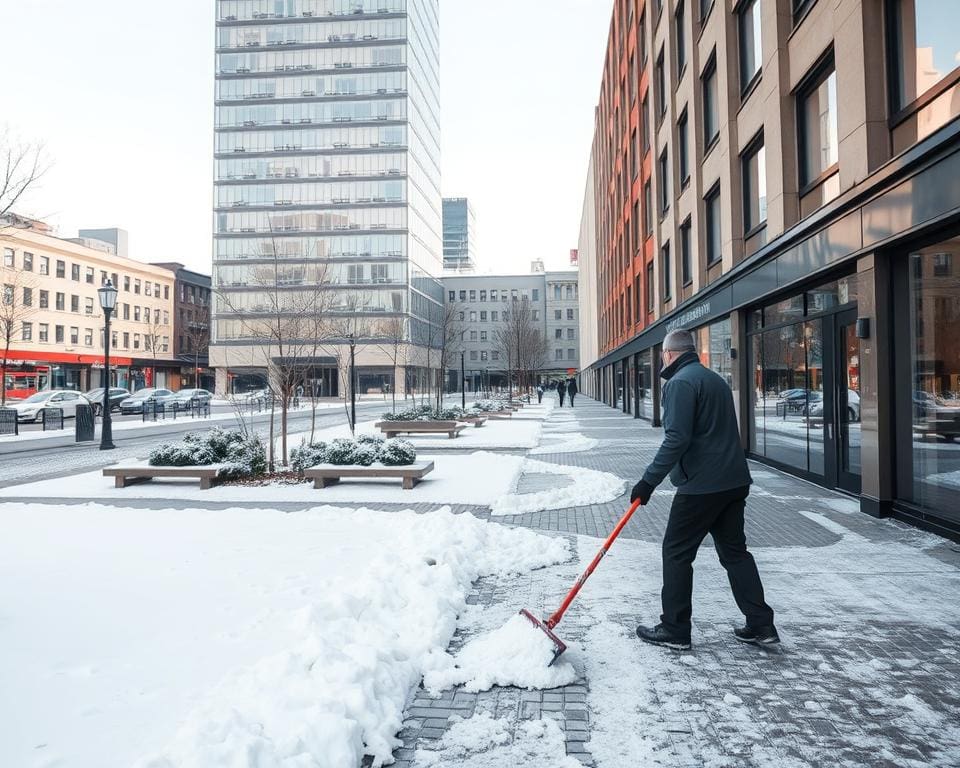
539 397
572 395
692 517
561 401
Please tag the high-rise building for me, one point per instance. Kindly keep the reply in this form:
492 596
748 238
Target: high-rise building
783 179
327 182
459 235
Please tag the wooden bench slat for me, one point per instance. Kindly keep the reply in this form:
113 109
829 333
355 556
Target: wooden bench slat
325 475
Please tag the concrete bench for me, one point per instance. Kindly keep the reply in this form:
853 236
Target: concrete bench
394 428
477 421
140 473
496 415
324 475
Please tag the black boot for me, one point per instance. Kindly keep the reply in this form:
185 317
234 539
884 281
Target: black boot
660 635
758 635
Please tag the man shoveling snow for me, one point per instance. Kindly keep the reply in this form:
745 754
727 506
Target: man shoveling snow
701 450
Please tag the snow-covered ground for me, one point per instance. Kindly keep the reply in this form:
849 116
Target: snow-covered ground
229 638
482 478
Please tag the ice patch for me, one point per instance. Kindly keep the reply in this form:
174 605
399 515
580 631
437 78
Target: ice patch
516 654
842 505
482 742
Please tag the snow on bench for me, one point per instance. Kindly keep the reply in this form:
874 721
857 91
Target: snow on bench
324 475
394 428
139 473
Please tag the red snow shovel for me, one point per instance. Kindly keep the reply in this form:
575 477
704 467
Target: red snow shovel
547 625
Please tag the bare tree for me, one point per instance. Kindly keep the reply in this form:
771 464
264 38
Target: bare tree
16 305
22 165
348 328
450 337
392 334
522 343
197 336
286 314
153 338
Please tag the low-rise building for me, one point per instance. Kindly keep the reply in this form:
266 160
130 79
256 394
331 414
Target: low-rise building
50 304
191 325
482 305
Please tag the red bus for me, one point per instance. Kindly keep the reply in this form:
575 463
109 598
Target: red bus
20 384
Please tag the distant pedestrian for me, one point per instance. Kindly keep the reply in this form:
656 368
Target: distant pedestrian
572 390
702 452
539 393
561 391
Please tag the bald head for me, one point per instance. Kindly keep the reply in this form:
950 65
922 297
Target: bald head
679 341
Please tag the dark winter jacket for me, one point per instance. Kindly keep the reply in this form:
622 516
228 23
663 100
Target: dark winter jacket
701 446
572 387
561 388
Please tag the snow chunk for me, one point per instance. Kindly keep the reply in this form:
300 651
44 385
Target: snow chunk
574 443
590 486
482 742
518 654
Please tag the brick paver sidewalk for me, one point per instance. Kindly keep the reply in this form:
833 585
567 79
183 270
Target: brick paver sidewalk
867 674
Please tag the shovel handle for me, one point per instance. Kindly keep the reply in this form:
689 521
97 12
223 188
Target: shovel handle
555 618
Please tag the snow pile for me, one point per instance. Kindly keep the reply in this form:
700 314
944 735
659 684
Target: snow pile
482 742
590 486
230 637
339 694
572 443
516 654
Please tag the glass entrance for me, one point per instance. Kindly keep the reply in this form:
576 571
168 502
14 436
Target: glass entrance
847 416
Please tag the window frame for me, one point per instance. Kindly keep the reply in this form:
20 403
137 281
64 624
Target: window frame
754 146
683 147
679 16
667 292
686 262
747 85
894 56
663 168
815 77
660 84
712 194
710 71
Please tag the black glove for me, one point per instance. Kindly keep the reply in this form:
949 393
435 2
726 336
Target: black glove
642 491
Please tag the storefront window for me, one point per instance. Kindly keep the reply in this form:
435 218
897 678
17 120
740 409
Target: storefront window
646 385
788 383
935 377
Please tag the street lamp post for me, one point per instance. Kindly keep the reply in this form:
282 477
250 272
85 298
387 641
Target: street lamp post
353 398
108 301
463 384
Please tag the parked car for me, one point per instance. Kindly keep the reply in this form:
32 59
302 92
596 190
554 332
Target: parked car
144 397
931 415
815 408
187 398
32 408
117 395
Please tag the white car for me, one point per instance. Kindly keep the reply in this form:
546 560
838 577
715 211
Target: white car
31 409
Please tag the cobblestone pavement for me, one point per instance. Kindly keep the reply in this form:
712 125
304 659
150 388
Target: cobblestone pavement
867 674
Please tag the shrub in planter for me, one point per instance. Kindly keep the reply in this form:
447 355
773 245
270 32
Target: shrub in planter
486 406
373 440
365 454
397 453
241 456
341 451
308 455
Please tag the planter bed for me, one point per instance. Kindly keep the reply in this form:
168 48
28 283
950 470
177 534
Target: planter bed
324 475
207 474
426 427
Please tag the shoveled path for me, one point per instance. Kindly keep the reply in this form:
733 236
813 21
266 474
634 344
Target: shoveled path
852 686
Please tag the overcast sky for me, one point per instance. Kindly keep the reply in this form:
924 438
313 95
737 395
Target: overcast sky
121 94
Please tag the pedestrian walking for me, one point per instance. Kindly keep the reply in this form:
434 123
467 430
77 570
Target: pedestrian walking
539 393
701 451
572 390
561 391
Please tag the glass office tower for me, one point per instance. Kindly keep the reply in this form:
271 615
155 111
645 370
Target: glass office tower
459 235
327 161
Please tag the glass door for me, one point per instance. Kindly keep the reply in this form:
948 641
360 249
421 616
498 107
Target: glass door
847 413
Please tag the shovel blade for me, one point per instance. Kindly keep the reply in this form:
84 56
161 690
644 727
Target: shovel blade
558 645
